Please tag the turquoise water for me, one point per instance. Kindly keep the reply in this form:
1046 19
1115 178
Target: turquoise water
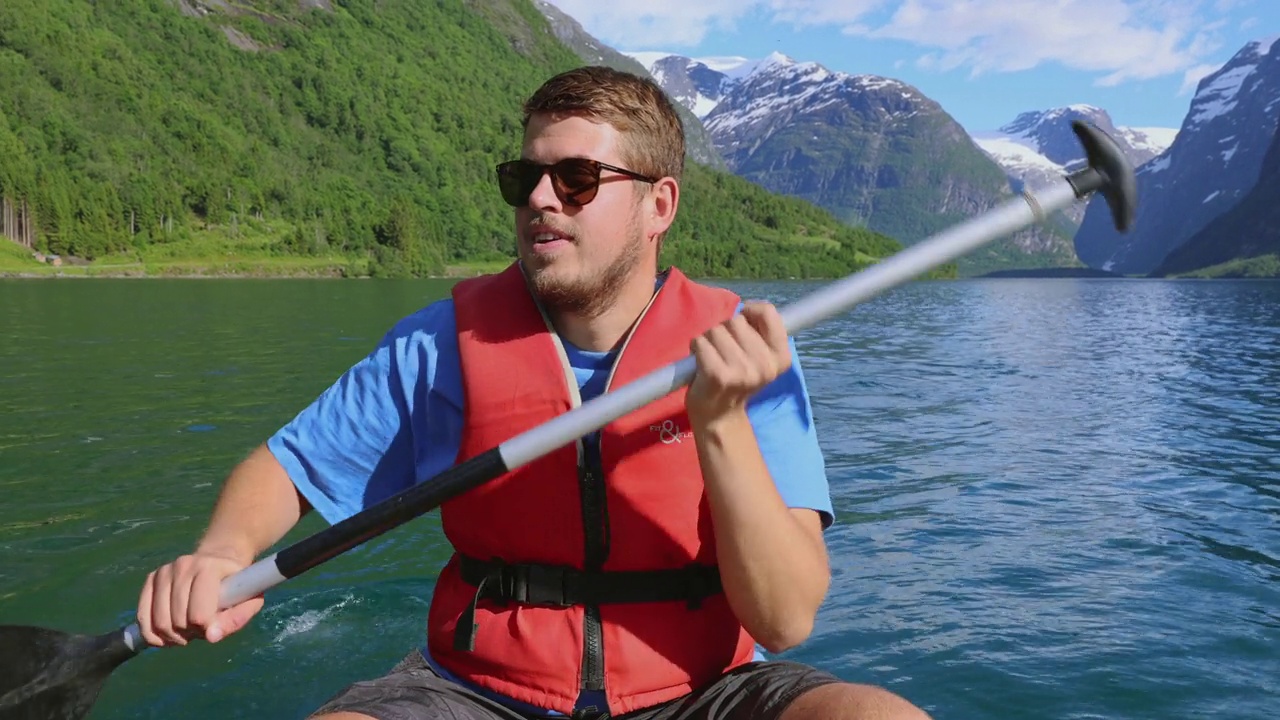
1056 498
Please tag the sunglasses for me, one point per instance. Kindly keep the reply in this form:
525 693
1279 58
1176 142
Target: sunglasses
575 180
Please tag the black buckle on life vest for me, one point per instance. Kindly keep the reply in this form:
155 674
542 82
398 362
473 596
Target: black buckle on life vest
532 585
557 586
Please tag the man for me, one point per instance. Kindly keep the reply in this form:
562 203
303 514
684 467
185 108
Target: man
633 573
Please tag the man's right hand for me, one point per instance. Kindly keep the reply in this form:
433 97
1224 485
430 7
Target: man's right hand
179 601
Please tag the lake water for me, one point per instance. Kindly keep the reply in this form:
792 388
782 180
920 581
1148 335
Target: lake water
1056 499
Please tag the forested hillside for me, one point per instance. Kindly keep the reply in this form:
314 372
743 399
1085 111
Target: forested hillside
366 130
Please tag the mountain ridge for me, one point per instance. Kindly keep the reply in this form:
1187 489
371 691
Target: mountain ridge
1039 146
873 150
1214 161
1243 241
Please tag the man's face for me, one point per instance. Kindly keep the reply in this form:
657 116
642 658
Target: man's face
578 257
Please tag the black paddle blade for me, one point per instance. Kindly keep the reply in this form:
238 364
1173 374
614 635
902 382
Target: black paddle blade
51 675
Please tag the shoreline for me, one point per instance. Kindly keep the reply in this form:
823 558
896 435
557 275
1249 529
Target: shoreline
337 272
90 272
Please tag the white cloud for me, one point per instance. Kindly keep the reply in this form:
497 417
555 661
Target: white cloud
812 13
646 23
1123 40
684 23
1194 75
1120 40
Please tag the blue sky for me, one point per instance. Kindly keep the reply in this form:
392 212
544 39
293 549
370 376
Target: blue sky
985 61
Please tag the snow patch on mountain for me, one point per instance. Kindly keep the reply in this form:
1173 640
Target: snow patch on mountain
1014 153
1222 93
1219 98
1154 139
647 58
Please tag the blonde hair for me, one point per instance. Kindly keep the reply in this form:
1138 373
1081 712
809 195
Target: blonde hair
652 133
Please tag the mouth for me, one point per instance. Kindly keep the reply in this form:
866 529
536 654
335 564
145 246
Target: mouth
544 240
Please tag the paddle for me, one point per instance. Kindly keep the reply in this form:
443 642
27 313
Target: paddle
51 675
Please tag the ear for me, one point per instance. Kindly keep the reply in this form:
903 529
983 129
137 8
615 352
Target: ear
664 199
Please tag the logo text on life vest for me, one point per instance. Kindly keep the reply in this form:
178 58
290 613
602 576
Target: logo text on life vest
669 432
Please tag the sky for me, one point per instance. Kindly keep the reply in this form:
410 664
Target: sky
985 61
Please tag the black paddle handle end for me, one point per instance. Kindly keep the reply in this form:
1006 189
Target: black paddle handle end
1108 172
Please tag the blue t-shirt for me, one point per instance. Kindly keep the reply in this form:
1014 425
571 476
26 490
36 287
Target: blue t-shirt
395 418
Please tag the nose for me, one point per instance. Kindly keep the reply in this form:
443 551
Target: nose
544 195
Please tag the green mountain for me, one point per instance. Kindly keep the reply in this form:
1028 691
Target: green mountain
318 137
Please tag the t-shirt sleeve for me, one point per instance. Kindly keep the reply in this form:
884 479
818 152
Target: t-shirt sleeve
782 418
354 445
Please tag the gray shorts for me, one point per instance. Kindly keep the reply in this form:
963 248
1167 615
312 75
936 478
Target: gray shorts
413 691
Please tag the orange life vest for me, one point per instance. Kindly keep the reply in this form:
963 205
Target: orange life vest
562 580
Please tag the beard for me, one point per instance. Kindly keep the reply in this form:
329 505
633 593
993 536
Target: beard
589 291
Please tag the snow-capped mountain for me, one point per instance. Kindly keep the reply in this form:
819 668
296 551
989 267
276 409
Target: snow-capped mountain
1146 143
1039 147
1249 229
779 92
1049 134
872 150
698 84
1214 161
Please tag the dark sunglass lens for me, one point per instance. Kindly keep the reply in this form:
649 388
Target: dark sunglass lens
516 179
578 179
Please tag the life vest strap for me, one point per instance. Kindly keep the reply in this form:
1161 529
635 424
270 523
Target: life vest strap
561 586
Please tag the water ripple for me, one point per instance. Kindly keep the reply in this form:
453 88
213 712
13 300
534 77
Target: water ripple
1055 500
1063 495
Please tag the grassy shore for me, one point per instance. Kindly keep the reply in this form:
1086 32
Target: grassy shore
208 254
1262 266
256 249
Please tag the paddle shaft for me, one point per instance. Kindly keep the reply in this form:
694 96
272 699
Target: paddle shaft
590 416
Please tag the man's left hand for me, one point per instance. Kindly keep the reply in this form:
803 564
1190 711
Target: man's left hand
735 360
